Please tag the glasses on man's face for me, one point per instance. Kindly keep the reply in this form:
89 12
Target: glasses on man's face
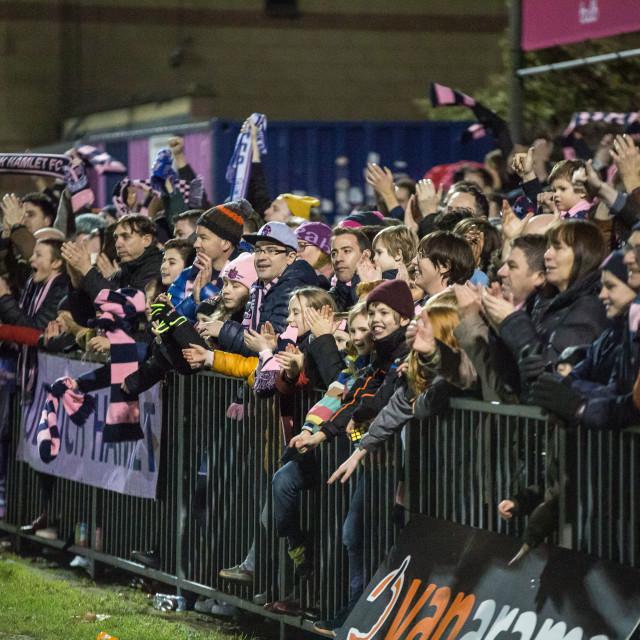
269 251
303 245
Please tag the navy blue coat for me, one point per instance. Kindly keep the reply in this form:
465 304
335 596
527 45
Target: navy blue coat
267 303
610 404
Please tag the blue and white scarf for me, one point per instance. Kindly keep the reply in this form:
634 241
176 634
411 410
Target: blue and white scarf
239 169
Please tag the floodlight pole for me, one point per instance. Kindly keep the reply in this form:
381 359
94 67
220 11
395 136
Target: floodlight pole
515 84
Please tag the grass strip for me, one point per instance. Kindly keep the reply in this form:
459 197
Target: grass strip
37 604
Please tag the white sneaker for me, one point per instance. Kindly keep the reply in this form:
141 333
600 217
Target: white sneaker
79 561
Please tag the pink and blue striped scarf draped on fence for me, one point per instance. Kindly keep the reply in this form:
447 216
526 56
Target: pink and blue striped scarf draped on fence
119 308
78 406
239 169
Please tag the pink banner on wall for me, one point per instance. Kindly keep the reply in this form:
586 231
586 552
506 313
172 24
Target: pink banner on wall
548 23
198 152
138 163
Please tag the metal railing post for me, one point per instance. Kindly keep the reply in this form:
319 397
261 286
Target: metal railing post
180 506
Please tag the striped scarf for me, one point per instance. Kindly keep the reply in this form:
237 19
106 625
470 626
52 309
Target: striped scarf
78 406
191 192
101 161
442 96
630 121
119 308
239 169
31 299
575 147
53 165
258 291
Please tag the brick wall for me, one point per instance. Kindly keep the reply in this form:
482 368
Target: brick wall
361 59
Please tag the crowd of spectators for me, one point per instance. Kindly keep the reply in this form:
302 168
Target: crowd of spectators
515 285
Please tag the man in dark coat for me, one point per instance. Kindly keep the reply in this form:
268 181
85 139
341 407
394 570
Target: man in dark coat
349 247
279 273
139 258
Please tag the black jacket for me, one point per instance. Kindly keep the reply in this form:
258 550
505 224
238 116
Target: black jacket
11 313
371 391
598 365
573 317
345 294
161 358
258 189
135 273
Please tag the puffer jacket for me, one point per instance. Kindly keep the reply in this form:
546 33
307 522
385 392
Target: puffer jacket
610 404
372 390
270 302
598 365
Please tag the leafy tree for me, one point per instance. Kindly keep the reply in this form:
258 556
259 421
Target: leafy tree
549 99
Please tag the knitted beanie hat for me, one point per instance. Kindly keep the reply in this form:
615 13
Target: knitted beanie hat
395 294
227 220
362 218
208 306
315 233
614 263
87 222
300 205
242 270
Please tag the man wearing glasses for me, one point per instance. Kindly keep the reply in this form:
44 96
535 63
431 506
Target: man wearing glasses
279 273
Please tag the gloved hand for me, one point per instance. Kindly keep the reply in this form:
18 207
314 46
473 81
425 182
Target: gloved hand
163 312
171 322
531 363
557 395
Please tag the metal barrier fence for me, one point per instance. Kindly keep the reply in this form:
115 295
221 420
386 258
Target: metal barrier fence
214 504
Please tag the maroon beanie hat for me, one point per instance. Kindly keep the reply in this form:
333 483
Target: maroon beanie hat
395 294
